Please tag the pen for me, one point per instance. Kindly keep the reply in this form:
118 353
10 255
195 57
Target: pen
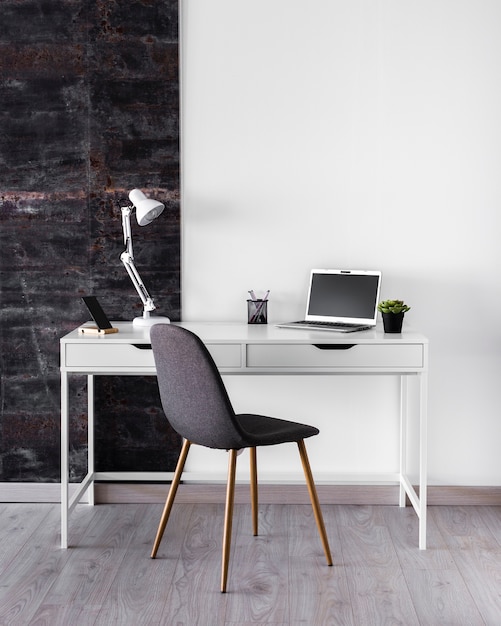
252 294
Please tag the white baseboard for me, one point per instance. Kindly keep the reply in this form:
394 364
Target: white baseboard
268 493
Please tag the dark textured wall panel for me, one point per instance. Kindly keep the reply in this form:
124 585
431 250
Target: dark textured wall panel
90 110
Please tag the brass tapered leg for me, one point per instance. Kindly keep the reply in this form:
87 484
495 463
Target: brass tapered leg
253 488
314 500
171 496
228 517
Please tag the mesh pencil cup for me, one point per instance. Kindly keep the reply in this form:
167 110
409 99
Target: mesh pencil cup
257 311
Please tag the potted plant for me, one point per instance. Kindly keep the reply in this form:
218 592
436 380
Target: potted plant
392 312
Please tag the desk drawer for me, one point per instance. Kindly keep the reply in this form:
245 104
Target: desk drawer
96 356
358 356
123 356
226 355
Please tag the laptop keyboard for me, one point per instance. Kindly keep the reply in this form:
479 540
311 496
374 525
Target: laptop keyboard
325 324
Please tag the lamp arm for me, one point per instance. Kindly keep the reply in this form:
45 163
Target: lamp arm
126 213
127 258
146 299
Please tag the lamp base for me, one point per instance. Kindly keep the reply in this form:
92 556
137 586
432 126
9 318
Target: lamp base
146 322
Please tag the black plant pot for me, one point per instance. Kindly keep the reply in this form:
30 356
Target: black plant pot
392 322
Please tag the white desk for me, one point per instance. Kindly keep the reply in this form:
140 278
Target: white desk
242 349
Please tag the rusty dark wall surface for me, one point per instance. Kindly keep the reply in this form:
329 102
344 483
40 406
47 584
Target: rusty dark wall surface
89 93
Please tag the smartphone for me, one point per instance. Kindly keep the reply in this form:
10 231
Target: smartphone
96 310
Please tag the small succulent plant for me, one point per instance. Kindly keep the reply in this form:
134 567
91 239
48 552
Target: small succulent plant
392 306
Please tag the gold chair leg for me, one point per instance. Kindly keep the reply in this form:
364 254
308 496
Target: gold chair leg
228 517
314 500
253 489
171 496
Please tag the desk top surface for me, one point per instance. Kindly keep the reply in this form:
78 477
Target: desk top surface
228 332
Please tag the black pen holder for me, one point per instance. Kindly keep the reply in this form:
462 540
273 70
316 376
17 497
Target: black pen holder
257 311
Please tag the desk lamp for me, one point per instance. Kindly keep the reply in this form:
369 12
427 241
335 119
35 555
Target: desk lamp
146 211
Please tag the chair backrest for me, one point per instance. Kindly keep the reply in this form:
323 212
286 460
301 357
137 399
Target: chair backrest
192 392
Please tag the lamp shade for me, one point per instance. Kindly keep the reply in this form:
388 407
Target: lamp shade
146 209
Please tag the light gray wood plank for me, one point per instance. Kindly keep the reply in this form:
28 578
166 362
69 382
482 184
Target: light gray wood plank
18 523
139 591
30 574
304 538
365 540
379 595
56 615
377 587
318 594
491 516
194 596
259 576
320 598
89 570
462 525
403 525
477 555
442 597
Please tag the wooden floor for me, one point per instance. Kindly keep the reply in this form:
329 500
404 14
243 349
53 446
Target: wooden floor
379 575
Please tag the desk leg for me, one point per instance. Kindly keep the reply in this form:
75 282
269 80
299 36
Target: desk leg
423 457
64 459
90 435
403 437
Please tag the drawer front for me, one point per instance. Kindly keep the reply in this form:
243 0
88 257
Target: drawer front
126 356
358 356
120 355
226 355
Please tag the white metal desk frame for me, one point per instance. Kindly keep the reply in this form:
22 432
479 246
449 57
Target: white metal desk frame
247 350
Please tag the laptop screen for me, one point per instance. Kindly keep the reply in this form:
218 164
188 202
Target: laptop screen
343 296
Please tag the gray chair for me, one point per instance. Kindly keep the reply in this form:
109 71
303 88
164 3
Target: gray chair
197 406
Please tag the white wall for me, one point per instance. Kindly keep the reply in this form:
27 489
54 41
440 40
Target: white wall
362 134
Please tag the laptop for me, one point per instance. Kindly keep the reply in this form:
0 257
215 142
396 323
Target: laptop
344 301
